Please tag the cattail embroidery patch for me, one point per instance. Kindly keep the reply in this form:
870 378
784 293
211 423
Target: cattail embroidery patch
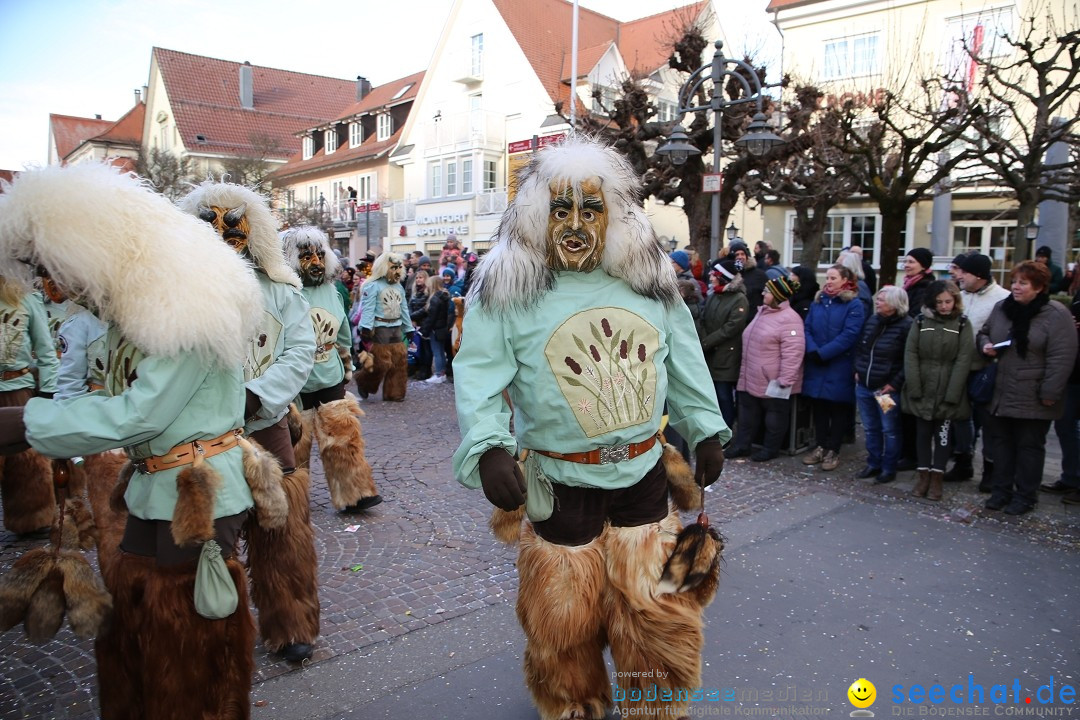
260 352
603 359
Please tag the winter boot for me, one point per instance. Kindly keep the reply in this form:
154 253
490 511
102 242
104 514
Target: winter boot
986 485
961 469
922 484
936 479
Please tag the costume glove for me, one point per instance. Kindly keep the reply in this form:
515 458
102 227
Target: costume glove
709 461
12 431
501 479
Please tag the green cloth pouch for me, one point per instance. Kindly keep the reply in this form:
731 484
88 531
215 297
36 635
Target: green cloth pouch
539 495
215 593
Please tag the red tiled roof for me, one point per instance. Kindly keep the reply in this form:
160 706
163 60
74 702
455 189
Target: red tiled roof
7 176
383 96
587 58
70 132
127 130
645 44
541 30
205 97
781 4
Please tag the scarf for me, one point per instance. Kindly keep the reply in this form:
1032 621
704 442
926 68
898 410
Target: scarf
913 279
846 286
1021 314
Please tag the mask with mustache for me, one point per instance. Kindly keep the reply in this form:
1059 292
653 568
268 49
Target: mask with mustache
577 225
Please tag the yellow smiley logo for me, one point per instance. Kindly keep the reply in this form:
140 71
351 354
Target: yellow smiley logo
862 693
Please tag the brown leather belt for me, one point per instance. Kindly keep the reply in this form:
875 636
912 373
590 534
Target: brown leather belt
12 374
94 387
328 346
186 453
606 454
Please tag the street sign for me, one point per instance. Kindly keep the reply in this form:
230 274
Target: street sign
520 146
711 183
368 207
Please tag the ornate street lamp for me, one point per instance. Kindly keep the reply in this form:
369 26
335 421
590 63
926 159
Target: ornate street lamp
759 137
732 231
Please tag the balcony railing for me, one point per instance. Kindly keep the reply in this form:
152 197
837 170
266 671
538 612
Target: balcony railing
486 202
452 133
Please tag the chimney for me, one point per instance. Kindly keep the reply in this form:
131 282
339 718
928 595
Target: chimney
247 90
363 87
97 117
138 95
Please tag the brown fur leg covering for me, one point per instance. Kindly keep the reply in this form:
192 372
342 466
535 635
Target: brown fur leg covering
341 447
284 572
369 376
107 473
264 478
159 659
26 488
302 447
19 583
685 492
193 516
560 607
396 379
656 639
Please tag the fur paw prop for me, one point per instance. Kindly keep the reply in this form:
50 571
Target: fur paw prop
263 475
193 516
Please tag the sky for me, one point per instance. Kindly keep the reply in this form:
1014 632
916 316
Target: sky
87 57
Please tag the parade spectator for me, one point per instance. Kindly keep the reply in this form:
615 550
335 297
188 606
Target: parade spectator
436 328
1029 392
1067 429
771 371
451 282
879 376
1045 256
753 276
773 268
937 359
680 262
854 263
450 252
761 249
917 278
808 289
720 328
418 304
979 293
697 267
832 330
868 270
471 261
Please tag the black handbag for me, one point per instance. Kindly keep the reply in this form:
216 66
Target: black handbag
981 383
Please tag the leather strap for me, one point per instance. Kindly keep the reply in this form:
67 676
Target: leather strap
186 453
606 454
12 374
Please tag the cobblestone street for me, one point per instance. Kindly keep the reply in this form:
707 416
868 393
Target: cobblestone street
425 556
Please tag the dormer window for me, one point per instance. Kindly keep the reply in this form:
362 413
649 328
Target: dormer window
330 141
356 134
402 91
384 127
309 147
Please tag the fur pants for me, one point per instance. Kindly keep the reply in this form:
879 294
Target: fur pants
285 571
26 489
335 426
159 659
608 594
391 369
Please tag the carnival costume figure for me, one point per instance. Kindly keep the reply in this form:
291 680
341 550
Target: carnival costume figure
386 327
174 400
281 558
328 412
26 487
576 314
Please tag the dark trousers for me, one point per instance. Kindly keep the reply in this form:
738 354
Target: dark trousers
725 397
774 413
1019 453
932 444
831 420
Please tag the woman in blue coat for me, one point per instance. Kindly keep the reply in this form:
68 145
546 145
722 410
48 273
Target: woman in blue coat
832 329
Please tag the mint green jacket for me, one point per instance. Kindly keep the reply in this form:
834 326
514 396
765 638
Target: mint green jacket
153 404
590 365
331 328
280 355
84 353
25 341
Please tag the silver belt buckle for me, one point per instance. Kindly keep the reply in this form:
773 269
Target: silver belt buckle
614 453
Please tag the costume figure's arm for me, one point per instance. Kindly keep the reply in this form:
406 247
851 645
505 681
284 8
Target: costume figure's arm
345 347
282 381
368 300
691 398
406 322
484 366
95 423
44 348
74 366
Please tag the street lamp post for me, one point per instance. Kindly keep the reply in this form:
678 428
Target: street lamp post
759 137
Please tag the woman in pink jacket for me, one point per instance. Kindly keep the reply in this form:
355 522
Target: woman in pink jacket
771 371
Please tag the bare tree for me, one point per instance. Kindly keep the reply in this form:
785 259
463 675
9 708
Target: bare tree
169 174
1026 102
253 168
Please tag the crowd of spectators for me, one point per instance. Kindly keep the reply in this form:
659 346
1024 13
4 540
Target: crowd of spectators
904 356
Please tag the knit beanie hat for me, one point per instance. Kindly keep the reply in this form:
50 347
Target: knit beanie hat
977 265
1044 251
726 270
738 245
681 259
922 256
781 288
958 261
